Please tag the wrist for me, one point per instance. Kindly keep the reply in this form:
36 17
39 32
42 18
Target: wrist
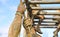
19 13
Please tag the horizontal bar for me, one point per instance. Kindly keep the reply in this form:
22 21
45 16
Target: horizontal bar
45 24
52 17
39 2
48 23
38 8
48 26
50 13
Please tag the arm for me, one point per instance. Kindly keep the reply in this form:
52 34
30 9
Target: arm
15 27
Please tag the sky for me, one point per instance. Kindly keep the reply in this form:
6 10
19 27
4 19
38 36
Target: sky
7 13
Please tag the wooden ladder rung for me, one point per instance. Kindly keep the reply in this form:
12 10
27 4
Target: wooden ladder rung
49 23
38 8
49 13
48 26
39 2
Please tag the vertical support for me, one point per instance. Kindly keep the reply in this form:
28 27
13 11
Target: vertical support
56 35
57 30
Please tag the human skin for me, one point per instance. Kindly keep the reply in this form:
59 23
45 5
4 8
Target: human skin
15 27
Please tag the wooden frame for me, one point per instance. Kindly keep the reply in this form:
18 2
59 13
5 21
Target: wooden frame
38 8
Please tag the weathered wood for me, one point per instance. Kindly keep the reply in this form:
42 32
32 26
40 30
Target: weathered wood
48 21
48 26
51 24
50 13
38 8
39 2
56 17
45 23
47 0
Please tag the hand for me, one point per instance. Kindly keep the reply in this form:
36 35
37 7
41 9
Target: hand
27 21
21 7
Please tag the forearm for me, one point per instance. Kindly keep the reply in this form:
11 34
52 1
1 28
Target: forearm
15 27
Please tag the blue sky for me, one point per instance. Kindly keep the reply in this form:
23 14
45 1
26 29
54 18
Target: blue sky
7 13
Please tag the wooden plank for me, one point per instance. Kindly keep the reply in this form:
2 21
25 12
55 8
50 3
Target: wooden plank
46 0
52 17
38 8
45 23
48 26
39 2
49 13
49 23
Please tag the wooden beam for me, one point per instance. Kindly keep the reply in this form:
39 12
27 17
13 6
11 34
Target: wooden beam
48 26
39 2
48 23
54 21
52 17
49 13
38 8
